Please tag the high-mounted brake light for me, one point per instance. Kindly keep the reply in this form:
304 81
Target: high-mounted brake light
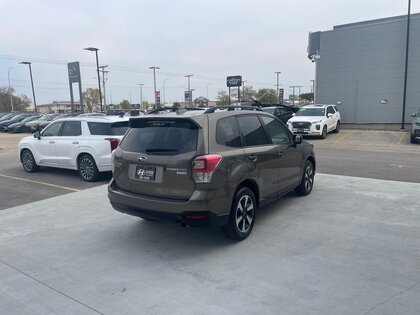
204 166
113 142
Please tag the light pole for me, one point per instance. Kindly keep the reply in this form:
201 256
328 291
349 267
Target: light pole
208 91
188 76
407 45
141 95
10 89
278 74
313 90
163 90
154 84
97 70
32 81
243 89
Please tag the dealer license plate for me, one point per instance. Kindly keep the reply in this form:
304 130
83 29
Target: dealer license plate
145 173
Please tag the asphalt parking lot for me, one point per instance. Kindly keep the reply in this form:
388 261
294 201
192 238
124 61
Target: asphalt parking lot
350 247
352 152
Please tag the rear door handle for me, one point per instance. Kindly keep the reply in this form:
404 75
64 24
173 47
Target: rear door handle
51 142
253 158
280 154
75 142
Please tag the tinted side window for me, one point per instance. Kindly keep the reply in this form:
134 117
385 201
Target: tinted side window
53 130
252 131
330 110
276 131
227 132
108 129
72 128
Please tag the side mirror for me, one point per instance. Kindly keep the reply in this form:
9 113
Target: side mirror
294 114
297 139
413 115
329 115
37 134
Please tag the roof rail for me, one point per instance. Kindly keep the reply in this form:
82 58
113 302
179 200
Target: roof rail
229 108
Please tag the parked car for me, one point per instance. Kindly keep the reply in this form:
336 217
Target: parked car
315 120
43 124
415 128
21 125
17 118
34 125
77 143
8 116
282 112
208 168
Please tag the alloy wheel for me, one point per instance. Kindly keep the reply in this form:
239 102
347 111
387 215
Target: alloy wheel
244 213
86 168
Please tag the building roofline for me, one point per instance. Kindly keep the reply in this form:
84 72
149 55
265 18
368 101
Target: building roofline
377 21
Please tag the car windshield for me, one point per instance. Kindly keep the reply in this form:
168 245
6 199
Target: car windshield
44 117
29 119
311 112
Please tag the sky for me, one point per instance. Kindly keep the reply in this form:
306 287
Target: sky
209 39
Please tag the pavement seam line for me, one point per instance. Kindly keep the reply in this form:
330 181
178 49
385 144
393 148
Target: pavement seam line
37 182
345 136
50 287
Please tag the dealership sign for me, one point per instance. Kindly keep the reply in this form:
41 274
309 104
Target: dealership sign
234 81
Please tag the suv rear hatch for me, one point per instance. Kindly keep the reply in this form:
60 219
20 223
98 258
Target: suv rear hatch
155 157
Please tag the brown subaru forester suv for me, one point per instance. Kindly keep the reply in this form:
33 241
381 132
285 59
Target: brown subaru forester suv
213 167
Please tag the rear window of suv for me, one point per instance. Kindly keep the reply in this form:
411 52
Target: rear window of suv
161 137
108 129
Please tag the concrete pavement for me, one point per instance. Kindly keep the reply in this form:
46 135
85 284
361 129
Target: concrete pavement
351 247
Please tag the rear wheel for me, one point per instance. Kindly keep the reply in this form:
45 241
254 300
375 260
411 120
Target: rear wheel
28 161
87 168
324 132
307 183
242 215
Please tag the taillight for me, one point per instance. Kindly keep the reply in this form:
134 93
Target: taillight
204 166
113 142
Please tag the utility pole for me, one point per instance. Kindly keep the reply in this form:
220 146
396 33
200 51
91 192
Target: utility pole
103 82
10 89
243 89
313 90
141 95
189 89
277 85
32 81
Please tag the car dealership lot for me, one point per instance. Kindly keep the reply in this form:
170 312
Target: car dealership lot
351 247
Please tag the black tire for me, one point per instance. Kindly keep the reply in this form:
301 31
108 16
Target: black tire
307 182
241 222
324 133
413 139
87 168
28 161
337 127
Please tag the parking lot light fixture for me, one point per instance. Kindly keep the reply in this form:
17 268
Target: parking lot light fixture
32 81
97 70
154 68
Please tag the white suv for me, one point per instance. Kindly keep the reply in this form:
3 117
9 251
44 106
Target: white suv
315 120
78 143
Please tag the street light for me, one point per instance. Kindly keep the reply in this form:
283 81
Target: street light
32 81
10 89
277 73
141 95
97 70
154 84
189 88
208 91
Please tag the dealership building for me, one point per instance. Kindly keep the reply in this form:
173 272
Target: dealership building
360 67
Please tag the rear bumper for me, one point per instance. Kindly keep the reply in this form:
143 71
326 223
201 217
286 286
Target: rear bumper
188 213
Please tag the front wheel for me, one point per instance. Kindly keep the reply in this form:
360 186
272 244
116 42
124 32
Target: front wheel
28 161
324 132
242 215
87 168
307 183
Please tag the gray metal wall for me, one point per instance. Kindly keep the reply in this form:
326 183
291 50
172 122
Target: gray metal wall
361 64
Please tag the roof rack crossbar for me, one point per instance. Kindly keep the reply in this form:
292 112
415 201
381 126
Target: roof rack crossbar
232 107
